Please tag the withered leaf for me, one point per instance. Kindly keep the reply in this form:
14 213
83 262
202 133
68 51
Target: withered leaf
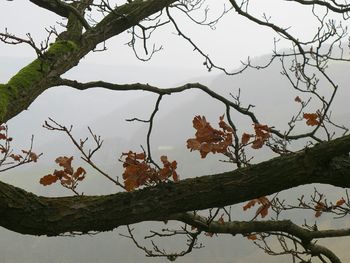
48 179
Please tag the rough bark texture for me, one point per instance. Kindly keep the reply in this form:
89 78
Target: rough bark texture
29 214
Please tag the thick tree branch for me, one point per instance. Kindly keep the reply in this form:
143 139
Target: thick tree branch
245 228
23 88
249 227
62 9
337 8
125 17
58 7
26 213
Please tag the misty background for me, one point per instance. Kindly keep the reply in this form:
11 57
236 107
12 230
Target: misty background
105 112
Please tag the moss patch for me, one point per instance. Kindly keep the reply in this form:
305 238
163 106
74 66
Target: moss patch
3 101
26 76
61 47
35 70
18 92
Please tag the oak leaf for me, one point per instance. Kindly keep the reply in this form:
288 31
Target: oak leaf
67 177
250 204
221 220
16 157
66 163
311 119
32 156
252 237
48 179
79 174
223 125
245 138
297 99
210 140
263 208
193 145
258 143
340 202
138 171
319 208
3 149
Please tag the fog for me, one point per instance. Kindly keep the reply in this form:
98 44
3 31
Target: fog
233 40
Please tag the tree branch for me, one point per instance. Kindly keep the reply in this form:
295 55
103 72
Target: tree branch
124 17
168 91
62 9
58 7
23 88
27 213
245 228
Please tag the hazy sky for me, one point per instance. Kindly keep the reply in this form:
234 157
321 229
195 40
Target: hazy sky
234 39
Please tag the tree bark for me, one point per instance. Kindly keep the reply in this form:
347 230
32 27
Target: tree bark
27 213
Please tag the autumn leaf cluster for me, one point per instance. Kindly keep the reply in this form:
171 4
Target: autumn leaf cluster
312 119
262 134
208 139
321 206
30 155
68 177
26 156
263 209
3 133
139 171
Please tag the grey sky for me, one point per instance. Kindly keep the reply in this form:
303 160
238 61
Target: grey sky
234 39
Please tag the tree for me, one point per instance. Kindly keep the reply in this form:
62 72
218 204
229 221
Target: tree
323 160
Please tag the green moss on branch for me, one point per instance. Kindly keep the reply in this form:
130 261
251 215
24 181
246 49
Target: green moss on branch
24 87
3 101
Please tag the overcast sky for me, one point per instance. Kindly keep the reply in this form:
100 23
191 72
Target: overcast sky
233 40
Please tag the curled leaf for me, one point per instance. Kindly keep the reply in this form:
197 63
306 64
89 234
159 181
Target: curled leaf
311 119
298 99
319 208
66 163
252 237
250 204
16 157
340 202
223 125
209 140
3 136
138 171
48 179
79 174
67 177
221 220
245 138
32 156
263 208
